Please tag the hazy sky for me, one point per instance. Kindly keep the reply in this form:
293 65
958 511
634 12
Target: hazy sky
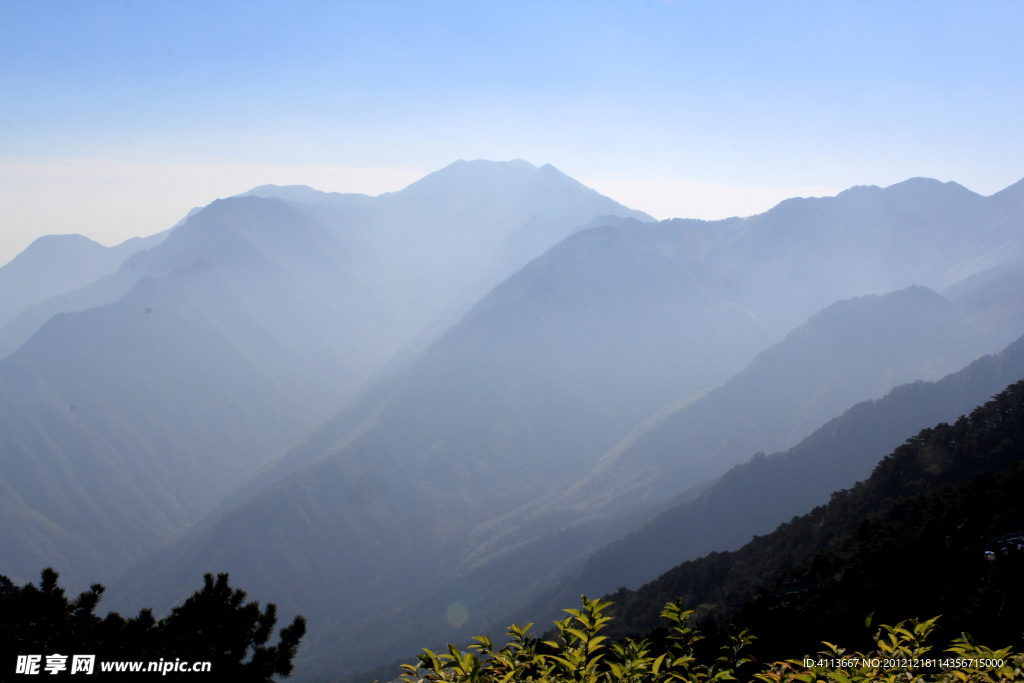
117 117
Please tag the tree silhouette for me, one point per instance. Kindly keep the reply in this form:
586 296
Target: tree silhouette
214 625
217 625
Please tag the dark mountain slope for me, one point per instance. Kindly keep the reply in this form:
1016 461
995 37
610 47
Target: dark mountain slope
876 526
758 495
58 264
921 555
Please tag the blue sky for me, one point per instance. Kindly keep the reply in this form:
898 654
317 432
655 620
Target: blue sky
116 117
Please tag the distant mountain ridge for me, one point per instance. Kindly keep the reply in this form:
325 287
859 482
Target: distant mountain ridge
430 251
440 244
125 423
59 264
864 240
197 359
993 298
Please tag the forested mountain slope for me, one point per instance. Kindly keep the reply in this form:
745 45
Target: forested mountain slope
910 537
756 496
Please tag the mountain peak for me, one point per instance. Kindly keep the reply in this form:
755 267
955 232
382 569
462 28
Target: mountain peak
511 163
917 182
929 187
301 194
58 242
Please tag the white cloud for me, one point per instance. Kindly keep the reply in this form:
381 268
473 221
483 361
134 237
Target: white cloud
111 201
670 198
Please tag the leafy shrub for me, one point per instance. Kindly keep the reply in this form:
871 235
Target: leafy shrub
580 654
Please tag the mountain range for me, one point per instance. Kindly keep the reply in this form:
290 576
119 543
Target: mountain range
196 360
477 390
514 429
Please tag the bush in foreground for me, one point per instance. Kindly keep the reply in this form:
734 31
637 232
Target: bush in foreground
579 654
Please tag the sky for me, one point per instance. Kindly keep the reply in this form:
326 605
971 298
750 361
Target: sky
116 118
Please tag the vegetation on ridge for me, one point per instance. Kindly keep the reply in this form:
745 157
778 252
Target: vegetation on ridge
910 539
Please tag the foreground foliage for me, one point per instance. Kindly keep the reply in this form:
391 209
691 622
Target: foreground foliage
214 625
910 540
580 654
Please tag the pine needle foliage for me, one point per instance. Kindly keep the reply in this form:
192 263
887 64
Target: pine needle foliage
216 624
